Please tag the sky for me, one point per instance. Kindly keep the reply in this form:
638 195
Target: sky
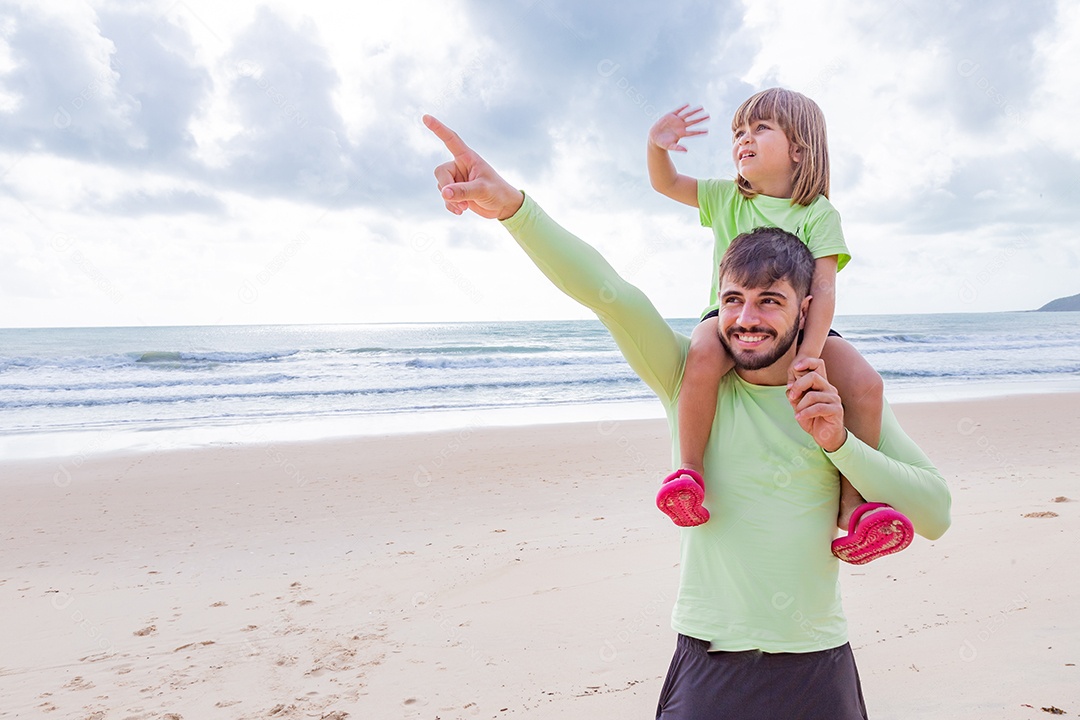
200 163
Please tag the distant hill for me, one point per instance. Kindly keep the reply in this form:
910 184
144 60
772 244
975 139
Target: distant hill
1071 303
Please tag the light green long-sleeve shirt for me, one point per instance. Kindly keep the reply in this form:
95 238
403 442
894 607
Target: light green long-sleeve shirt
759 574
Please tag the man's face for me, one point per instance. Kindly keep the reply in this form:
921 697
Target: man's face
758 325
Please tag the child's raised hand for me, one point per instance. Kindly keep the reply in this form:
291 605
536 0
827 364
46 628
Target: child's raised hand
677 124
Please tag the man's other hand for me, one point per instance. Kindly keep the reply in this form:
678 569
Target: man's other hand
817 404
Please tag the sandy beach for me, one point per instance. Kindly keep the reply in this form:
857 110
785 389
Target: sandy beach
498 573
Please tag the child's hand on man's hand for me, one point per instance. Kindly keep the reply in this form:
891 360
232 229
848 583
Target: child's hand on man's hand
799 367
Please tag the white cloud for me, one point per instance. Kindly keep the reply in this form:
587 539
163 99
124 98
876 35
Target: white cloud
1055 104
205 145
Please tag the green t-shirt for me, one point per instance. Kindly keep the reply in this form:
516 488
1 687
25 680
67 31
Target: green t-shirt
759 574
729 214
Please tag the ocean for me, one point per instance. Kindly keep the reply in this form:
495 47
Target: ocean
85 390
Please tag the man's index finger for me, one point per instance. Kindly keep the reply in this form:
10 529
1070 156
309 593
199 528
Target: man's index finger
450 138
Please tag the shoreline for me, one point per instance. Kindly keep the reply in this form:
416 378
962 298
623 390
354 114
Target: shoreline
499 572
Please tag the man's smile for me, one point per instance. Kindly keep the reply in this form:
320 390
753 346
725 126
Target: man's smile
750 338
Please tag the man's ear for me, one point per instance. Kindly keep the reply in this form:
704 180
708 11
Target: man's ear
803 309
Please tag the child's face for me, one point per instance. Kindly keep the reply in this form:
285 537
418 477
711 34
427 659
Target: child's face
763 156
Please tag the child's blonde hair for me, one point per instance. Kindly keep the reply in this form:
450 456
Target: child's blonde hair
803 123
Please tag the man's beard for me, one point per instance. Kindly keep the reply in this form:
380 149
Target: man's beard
757 361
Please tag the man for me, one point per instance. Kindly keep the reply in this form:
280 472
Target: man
761 629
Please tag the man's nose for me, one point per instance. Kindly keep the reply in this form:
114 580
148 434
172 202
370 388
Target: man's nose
748 315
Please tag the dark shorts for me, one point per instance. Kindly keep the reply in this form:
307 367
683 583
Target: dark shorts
753 685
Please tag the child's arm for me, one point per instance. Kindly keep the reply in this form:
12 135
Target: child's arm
664 136
860 386
820 315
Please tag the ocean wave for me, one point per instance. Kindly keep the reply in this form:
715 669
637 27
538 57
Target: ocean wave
895 338
81 363
142 376
554 360
162 359
168 382
439 350
968 345
981 373
179 357
54 400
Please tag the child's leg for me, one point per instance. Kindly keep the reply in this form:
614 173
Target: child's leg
862 393
683 492
706 363
878 529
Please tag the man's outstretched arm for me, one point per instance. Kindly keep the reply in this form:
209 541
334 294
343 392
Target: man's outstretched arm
655 352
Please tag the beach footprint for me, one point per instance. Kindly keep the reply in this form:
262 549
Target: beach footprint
78 683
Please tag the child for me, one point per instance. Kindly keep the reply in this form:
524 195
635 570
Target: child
782 161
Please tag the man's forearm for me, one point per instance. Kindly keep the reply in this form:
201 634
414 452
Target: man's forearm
655 352
899 474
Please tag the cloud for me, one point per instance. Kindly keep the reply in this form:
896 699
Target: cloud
582 69
238 129
156 72
559 96
130 88
292 140
987 55
172 202
933 131
64 87
118 88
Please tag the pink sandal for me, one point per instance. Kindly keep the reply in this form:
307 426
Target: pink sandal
681 497
882 533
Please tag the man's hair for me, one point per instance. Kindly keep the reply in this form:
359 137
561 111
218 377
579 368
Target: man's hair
802 121
758 258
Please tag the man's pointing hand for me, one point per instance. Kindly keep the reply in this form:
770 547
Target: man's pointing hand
468 183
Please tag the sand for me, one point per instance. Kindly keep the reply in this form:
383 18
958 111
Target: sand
498 573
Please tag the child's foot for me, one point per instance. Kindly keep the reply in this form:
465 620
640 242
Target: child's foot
681 497
875 530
